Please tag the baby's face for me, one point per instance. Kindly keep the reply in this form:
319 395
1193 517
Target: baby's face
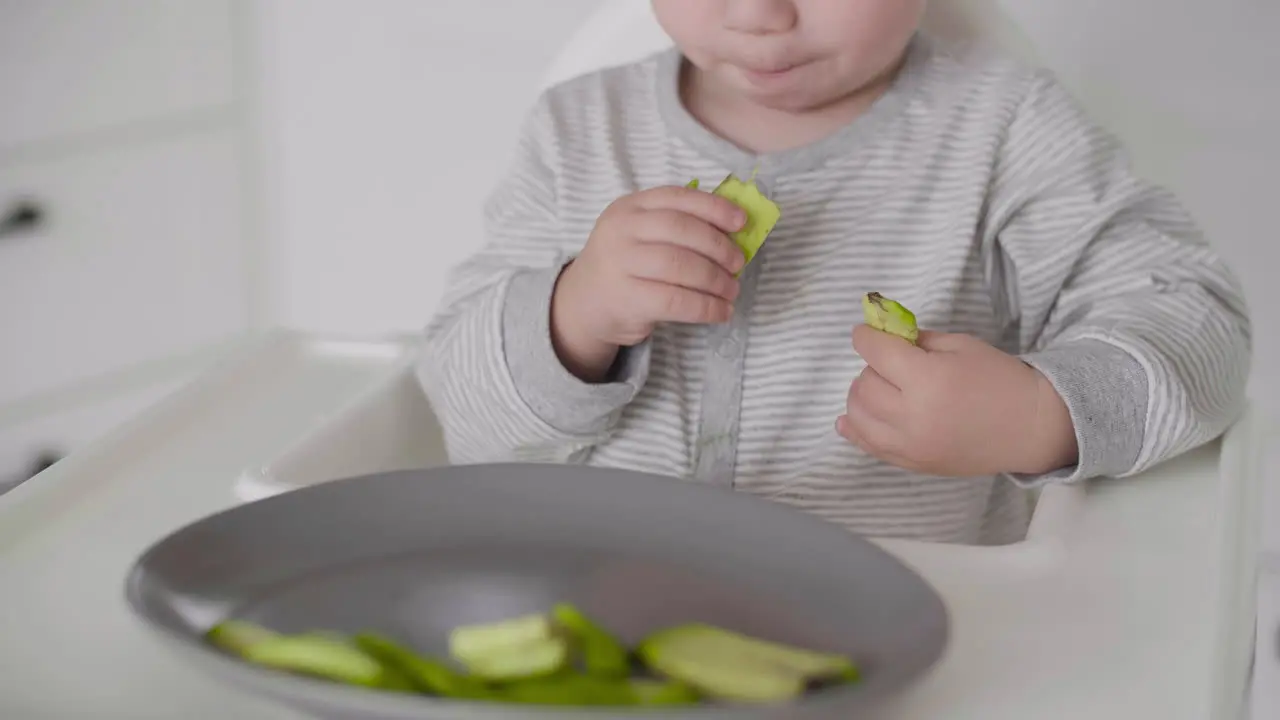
793 55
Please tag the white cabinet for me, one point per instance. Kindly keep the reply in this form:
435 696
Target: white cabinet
139 258
122 125
69 67
26 443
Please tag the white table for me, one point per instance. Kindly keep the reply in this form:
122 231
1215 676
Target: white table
1135 603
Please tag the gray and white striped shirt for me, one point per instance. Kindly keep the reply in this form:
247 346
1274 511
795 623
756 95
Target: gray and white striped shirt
976 192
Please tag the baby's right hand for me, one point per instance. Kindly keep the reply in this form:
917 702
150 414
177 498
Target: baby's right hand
659 255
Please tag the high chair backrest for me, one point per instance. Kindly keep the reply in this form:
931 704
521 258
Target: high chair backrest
620 31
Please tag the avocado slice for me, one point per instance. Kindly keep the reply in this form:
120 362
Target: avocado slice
527 660
236 636
762 214
426 675
662 692
601 653
325 656
892 317
470 642
570 690
734 667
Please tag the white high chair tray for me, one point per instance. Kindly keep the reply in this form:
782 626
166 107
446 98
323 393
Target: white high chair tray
1133 600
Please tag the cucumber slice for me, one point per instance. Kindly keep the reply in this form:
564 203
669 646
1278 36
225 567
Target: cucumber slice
734 667
601 653
426 675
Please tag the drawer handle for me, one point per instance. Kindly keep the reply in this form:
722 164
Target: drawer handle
20 218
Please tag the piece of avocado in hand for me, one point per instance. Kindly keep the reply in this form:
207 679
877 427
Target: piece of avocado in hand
892 317
762 213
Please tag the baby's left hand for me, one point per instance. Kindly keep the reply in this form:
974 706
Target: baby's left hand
954 406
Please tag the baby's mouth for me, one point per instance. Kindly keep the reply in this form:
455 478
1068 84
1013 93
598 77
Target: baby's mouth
768 72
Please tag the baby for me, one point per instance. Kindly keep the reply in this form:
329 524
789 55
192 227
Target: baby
1075 324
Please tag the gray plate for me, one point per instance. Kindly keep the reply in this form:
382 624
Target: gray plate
413 554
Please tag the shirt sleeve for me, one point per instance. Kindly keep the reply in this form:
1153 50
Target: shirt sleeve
1121 303
487 364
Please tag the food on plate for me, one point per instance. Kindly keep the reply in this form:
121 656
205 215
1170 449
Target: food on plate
602 654
762 213
884 314
324 656
514 649
560 658
425 675
734 667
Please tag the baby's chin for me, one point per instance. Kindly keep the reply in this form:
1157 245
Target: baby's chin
794 98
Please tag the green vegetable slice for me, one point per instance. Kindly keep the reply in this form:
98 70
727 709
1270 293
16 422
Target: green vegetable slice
428 676
469 643
762 213
662 692
571 690
530 659
734 667
236 636
326 657
884 314
601 653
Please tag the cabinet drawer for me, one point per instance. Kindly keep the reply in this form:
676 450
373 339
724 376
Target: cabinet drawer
141 256
24 443
70 66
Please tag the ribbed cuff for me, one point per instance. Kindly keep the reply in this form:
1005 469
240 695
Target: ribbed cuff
557 396
1105 390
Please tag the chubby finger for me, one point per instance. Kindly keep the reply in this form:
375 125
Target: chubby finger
676 265
678 228
712 209
880 437
893 358
845 430
876 395
663 302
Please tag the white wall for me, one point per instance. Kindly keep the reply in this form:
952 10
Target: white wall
387 122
